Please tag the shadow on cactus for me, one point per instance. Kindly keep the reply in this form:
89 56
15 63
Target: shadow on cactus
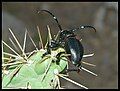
39 69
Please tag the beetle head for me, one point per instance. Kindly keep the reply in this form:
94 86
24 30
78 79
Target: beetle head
65 34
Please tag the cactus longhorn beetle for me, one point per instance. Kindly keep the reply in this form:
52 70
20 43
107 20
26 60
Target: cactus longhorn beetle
72 45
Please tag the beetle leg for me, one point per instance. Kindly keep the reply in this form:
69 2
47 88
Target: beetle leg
58 57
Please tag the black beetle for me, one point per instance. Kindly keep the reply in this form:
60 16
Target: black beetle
68 40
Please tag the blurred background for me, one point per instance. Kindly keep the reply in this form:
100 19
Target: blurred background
104 44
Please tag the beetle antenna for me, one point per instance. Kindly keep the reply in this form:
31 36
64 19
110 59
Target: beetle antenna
53 17
82 27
